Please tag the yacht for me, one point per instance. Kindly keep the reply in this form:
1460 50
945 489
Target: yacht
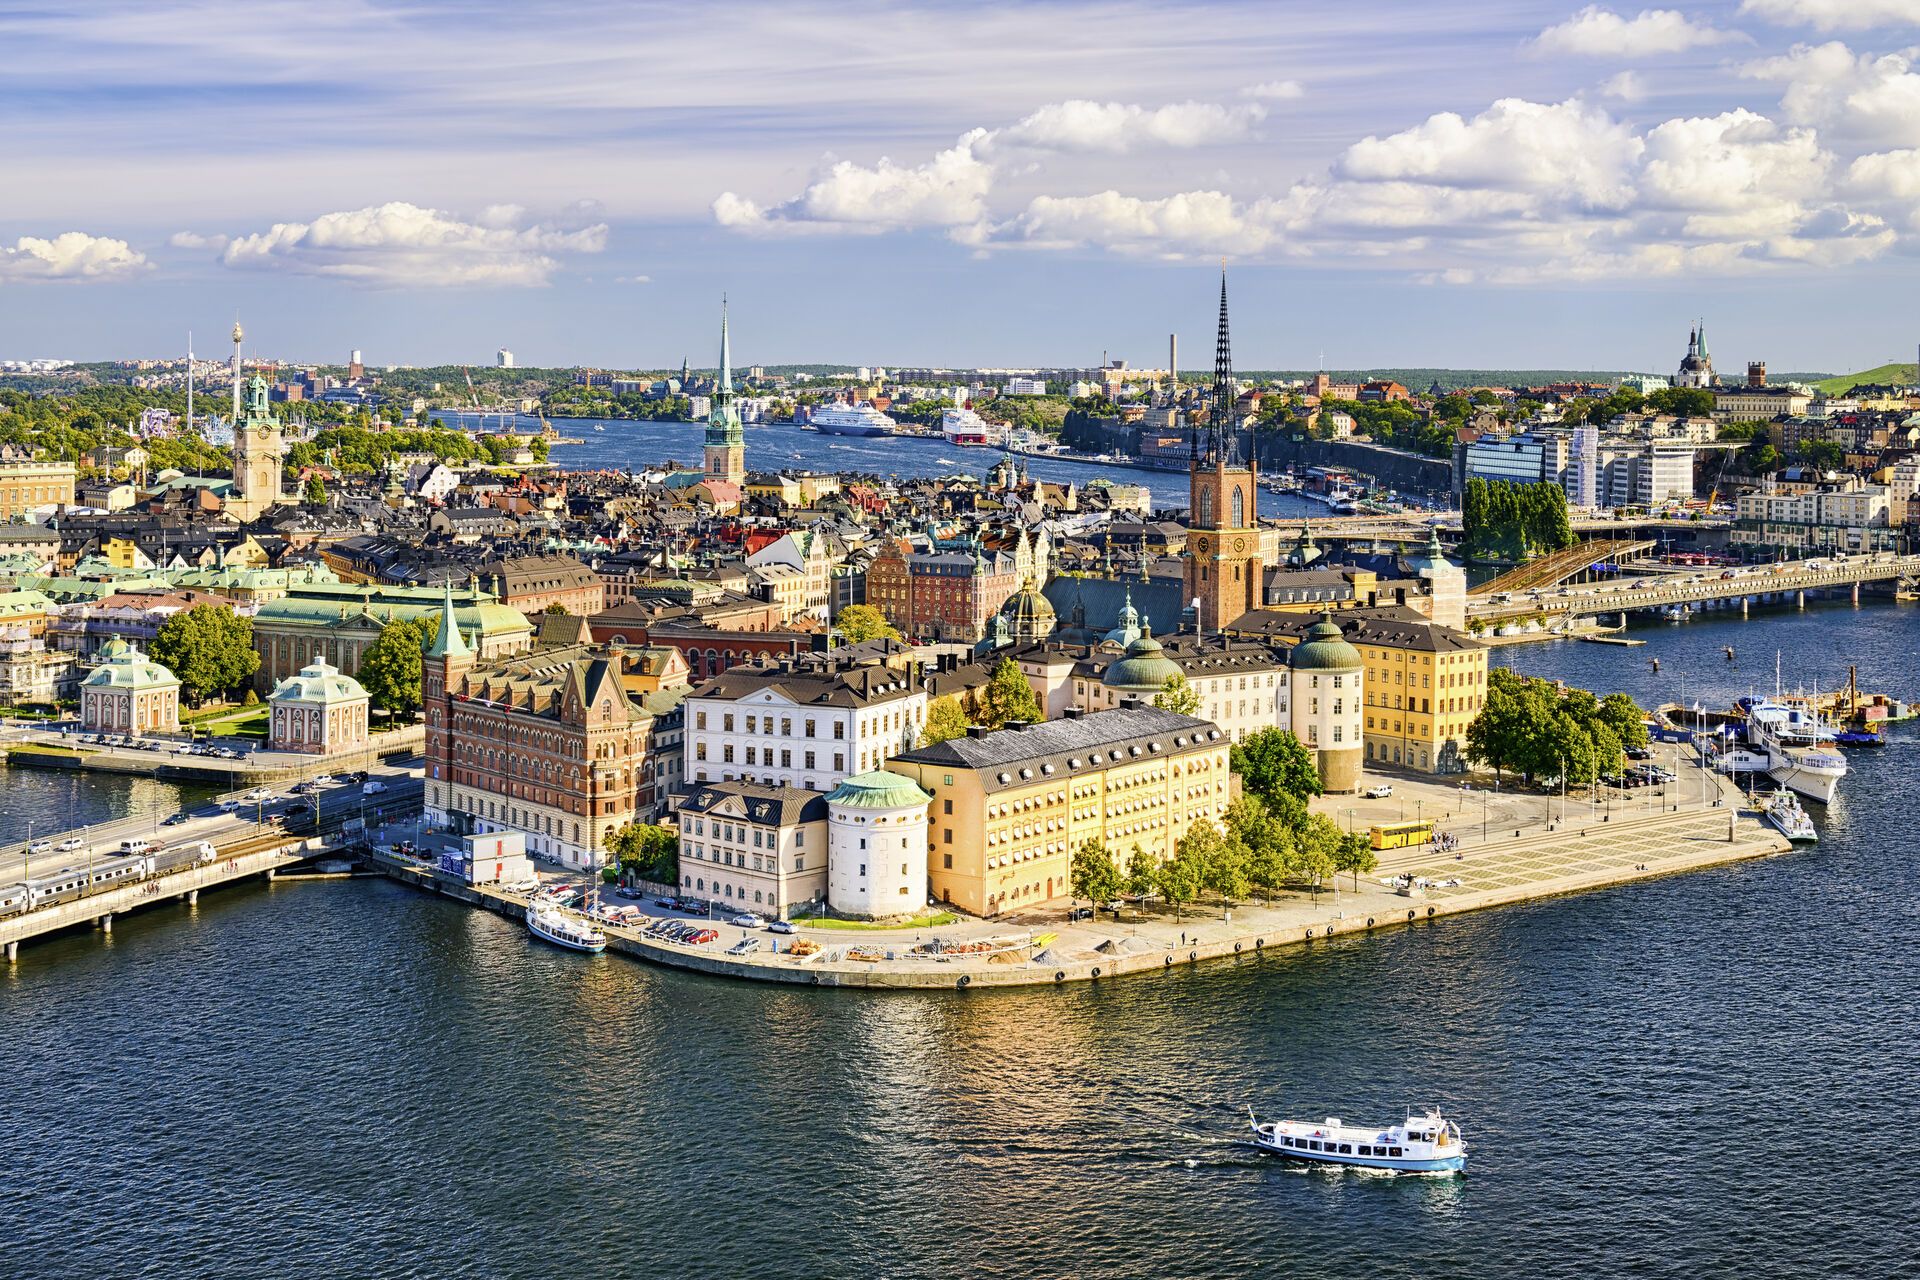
1423 1143
1800 748
852 420
564 929
1784 812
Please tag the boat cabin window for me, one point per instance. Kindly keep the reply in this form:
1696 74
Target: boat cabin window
1313 1146
1393 1151
1346 1148
1366 1151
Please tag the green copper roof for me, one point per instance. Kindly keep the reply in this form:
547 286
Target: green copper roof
320 682
447 641
879 790
1325 649
1146 667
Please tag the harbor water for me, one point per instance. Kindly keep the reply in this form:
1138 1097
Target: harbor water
1697 1076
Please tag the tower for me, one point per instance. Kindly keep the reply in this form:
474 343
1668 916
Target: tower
256 453
238 334
726 446
1224 569
443 666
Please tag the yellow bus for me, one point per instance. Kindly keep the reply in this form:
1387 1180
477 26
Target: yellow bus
1402 835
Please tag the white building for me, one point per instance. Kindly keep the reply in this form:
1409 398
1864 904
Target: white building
877 845
503 359
129 693
1025 387
808 723
1583 467
755 848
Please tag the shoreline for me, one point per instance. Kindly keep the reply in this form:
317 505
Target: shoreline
1583 857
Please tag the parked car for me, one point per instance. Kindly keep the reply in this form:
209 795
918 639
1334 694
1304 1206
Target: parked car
780 926
745 920
1080 913
1639 753
632 895
1383 791
745 946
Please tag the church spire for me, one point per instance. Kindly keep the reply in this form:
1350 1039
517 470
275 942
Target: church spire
726 352
447 640
1222 420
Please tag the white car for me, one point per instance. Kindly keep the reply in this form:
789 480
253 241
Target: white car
1382 792
71 843
746 920
40 846
260 793
373 788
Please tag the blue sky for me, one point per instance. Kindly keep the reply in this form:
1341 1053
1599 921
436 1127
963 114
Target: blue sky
1508 183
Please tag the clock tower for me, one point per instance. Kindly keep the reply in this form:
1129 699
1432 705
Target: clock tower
256 456
1225 574
726 443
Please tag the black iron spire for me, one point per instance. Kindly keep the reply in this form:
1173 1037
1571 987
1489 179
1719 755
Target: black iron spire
1221 426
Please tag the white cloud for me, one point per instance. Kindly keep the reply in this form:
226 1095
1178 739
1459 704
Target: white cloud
1873 100
194 240
72 255
1190 221
1627 86
1115 128
402 244
1570 148
1890 174
947 191
1275 90
1835 15
633 279
1595 32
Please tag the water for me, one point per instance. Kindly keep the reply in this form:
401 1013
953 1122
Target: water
1698 1076
775 446
55 800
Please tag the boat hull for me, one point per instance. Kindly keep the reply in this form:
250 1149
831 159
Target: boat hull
863 432
1437 1164
1807 782
559 940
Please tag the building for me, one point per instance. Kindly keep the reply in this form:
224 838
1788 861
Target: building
1328 694
941 595
257 450
752 847
503 359
1525 458
545 743
1010 807
726 443
31 674
877 846
500 858
336 623
807 723
533 584
1224 570
1761 403
1582 481
28 483
1828 518
129 693
317 712
1025 387
1696 369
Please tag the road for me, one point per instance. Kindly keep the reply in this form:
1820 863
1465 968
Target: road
1697 587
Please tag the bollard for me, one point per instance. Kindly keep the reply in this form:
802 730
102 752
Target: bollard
106 923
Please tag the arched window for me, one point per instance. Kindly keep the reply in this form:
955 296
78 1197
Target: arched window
1239 509
1206 508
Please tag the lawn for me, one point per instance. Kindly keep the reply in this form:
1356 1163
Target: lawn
932 921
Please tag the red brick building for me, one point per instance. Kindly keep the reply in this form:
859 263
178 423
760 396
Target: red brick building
941 595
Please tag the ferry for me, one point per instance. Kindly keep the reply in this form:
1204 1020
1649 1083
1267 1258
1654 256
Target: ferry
1423 1143
1784 812
1799 747
852 420
564 929
965 427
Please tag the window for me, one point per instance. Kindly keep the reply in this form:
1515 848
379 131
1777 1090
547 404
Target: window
946 837
726 722
809 759
699 719
946 806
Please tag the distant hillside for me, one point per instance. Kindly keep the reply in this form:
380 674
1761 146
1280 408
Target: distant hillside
1899 375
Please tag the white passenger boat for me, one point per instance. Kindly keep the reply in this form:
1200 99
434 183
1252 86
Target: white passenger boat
1424 1143
565 929
1800 748
852 420
1784 812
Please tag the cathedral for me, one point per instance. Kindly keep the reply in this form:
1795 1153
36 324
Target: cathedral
1697 369
1224 571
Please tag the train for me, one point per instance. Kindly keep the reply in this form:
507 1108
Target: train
137 861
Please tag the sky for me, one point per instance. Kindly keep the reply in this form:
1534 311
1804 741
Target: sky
1489 184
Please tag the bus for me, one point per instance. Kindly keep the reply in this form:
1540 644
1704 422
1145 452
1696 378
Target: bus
1402 835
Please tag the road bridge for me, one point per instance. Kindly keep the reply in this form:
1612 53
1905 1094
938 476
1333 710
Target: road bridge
1790 580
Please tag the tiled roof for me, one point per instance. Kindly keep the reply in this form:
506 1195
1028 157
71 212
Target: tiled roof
1062 748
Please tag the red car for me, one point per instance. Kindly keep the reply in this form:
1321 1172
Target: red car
701 937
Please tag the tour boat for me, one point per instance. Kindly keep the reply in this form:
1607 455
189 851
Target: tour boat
1799 747
564 929
1423 1143
1784 812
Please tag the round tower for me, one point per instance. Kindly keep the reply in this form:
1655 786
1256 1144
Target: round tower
877 846
1328 703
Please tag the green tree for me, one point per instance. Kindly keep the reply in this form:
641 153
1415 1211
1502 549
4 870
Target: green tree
210 648
862 622
1142 873
1355 855
1010 697
1178 696
314 494
646 851
556 608
945 719
1272 762
1094 875
1316 851
1180 877
1682 402
1262 843
390 666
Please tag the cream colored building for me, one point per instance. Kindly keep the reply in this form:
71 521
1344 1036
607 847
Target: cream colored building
1011 806
753 848
28 483
129 693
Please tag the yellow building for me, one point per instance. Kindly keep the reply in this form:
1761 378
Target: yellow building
27 482
1010 806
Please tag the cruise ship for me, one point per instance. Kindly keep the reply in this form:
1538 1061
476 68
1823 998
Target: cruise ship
965 427
852 420
1800 748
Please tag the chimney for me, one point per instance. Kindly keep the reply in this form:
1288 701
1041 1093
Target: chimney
1072 713
1173 359
976 731
1756 373
1017 725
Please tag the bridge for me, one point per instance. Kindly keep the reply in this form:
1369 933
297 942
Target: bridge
1569 562
1414 527
1742 586
249 835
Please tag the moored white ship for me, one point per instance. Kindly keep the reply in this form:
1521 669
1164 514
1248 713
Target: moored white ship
565 929
1426 1142
852 420
1784 812
965 427
1799 747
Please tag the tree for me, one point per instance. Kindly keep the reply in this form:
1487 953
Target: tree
1010 697
1094 875
1262 843
390 667
1356 855
862 622
1317 849
1142 873
946 718
646 851
1272 762
315 492
1178 696
1180 877
556 608
209 648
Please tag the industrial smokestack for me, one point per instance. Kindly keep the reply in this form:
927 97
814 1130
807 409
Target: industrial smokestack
1173 359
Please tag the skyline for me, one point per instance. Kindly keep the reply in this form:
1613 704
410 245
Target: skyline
880 185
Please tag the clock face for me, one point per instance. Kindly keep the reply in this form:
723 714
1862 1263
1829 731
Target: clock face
1239 544
1200 545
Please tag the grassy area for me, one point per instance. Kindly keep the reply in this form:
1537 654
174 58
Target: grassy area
245 722
932 921
1903 375
208 715
45 749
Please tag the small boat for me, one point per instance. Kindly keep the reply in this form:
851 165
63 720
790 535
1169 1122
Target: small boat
1423 1143
565 929
1859 738
1784 812
598 427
